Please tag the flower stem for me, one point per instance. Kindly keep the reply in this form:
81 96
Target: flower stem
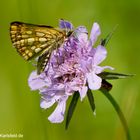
118 110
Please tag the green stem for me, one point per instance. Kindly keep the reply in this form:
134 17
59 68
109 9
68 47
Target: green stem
118 110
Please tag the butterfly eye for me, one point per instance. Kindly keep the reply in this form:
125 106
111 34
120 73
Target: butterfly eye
69 33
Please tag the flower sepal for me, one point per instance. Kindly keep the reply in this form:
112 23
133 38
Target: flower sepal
71 108
113 75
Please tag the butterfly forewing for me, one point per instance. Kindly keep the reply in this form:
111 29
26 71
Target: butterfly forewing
30 40
34 40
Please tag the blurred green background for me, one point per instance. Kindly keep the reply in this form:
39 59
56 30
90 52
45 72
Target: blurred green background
20 112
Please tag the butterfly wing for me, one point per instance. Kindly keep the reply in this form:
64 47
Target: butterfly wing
33 40
42 61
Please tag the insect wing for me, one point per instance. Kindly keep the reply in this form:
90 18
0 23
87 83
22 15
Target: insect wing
42 61
32 40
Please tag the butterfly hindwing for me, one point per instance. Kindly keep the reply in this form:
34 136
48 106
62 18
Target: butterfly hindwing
42 61
33 40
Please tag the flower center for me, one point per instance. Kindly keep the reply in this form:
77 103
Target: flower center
66 78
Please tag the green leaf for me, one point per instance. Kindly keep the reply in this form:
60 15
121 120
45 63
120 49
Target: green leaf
91 100
118 110
108 37
72 107
114 76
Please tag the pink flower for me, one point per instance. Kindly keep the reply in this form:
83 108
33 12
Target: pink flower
73 67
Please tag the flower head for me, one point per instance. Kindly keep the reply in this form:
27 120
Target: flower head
73 67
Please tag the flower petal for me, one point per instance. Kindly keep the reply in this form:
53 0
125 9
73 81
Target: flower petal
81 29
100 55
36 81
46 104
94 81
58 115
83 92
99 69
81 34
65 24
95 32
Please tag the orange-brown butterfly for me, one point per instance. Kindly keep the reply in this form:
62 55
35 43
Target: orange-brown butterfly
39 41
